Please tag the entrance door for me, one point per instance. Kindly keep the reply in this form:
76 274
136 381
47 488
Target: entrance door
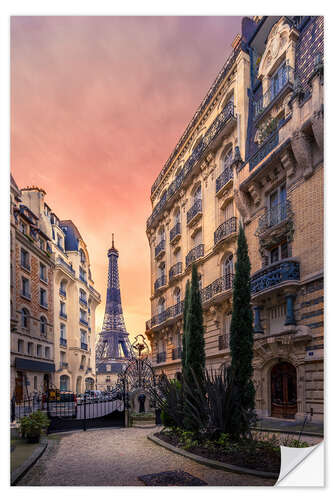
284 391
19 387
46 383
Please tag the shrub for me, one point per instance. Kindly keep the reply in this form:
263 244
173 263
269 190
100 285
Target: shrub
32 426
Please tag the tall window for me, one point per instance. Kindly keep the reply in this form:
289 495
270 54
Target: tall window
20 346
25 318
197 193
43 326
60 242
277 205
42 272
83 275
39 351
30 348
43 297
62 331
83 336
62 309
228 211
228 269
25 259
63 287
279 252
278 80
25 287
82 257
23 227
227 159
83 315
41 244
47 352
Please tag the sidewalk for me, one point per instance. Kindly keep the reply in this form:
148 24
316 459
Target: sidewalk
23 455
277 424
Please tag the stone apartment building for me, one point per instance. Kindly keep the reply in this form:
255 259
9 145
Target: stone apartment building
31 294
72 298
253 153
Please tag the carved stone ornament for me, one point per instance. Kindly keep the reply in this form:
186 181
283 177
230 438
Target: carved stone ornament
241 203
255 193
288 163
301 146
317 122
274 237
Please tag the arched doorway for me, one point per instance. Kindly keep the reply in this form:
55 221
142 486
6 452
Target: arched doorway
283 391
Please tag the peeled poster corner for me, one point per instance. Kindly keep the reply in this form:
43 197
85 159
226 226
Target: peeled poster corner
302 466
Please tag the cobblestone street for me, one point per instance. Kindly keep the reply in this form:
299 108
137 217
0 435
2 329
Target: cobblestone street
116 457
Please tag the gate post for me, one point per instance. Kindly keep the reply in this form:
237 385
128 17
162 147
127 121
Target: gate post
84 412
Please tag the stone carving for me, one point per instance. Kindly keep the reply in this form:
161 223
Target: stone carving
301 146
317 122
288 163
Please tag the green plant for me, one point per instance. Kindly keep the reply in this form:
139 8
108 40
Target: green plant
241 342
32 426
169 398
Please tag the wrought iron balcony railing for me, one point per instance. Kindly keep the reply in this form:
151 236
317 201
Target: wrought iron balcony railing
222 179
194 254
274 216
264 150
222 284
175 270
201 148
226 228
63 342
159 248
177 353
161 281
62 263
284 77
175 231
84 322
275 274
195 209
161 357
62 292
84 346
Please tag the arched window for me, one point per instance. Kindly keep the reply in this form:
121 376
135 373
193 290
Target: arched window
227 159
25 318
228 270
43 326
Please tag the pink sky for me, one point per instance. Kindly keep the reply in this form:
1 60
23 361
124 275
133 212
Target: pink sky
98 104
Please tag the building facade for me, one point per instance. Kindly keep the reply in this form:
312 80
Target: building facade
253 153
31 293
74 297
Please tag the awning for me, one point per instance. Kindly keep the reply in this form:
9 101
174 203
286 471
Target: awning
34 366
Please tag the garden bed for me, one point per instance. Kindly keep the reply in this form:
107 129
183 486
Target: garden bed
262 456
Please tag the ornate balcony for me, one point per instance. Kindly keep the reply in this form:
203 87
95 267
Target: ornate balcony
177 353
222 284
161 281
285 80
175 270
195 212
67 267
63 342
175 233
209 139
194 254
160 249
283 272
264 150
274 216
224 178
226 228
160 357
84 322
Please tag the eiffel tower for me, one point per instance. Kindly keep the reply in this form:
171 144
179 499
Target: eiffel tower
113 347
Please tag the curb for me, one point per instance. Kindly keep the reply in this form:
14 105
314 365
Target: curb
279 431
211 463
20 471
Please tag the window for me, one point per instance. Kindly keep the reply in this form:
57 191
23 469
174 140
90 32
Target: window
277 205
83 315
82 257
83 336
30 348
228 212
108 368
35 382
228 265
83 275
39 350
41 244
62 357
25 318
42 272
20 346
25 259
60 242
23 227
62 331
227 159
25 287
276 316
42 297
62 288
279 252
62 309
278 80
47 352
43 326
197 193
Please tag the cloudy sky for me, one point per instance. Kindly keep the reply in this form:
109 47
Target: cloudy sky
97 105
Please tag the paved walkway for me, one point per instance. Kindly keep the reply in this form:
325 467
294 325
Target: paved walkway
116 457
289 425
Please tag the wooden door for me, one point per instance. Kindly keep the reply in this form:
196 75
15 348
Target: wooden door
284 391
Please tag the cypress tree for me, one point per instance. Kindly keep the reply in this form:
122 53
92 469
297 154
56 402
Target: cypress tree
195 350
186 304
241 338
